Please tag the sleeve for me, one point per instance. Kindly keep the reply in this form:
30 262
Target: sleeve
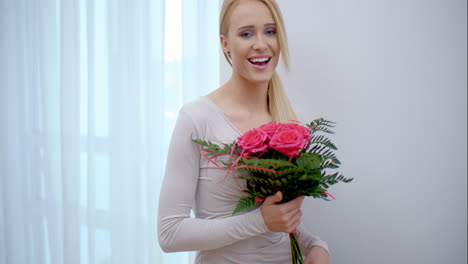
307 240
177 231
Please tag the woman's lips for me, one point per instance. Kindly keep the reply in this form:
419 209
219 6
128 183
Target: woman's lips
259 62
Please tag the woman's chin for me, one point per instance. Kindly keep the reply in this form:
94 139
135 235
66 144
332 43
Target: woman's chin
259 78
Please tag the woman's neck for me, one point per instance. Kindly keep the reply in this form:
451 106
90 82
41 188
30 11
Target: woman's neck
251 97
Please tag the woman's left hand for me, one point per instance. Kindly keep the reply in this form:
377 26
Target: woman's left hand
317 255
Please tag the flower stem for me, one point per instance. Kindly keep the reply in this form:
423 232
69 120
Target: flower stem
296 254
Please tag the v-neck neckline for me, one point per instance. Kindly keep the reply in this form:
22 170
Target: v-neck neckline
223 115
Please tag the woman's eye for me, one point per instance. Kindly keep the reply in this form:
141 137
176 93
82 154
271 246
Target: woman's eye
246 34
271 32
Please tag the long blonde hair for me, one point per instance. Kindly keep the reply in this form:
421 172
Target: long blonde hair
280 107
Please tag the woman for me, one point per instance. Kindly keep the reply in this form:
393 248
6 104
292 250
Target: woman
252 37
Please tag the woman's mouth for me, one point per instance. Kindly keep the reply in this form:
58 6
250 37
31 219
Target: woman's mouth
259 63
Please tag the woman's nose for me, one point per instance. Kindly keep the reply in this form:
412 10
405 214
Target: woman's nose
260 44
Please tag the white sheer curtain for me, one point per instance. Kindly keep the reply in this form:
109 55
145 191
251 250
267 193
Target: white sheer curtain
89 92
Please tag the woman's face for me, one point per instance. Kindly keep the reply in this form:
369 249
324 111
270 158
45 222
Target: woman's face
252 41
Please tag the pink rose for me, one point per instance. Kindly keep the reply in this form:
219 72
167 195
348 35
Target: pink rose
253 141
270 128
288 141
301 129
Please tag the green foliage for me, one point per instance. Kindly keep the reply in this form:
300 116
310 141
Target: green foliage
309 161
321 124
322 140
213 149
330 179
329 165
274 164
255 164
321 145
246 203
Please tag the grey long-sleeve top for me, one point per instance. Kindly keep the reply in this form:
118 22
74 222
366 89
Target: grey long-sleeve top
191 183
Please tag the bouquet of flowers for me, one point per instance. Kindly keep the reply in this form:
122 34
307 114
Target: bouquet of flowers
286 157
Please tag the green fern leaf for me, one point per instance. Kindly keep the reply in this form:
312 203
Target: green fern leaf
213 149
258 171
267 163
329 164
246 203
322 140
321 125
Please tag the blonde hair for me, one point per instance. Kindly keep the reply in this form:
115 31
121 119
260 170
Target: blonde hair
280 107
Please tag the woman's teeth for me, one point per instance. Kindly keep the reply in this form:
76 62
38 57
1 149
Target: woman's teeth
259 60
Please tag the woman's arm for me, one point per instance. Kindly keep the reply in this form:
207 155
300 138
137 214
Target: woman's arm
177 231
310 243
317 255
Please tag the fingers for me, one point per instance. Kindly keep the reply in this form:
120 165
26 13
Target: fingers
283 223
293 205
296 218
292 214
274 198
294 221
282 217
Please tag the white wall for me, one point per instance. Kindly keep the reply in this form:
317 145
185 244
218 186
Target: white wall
392 73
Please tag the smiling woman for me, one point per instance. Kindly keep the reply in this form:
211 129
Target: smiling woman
253 49
253 38
275 33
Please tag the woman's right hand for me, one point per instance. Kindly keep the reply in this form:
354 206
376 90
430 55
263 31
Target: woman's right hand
281 217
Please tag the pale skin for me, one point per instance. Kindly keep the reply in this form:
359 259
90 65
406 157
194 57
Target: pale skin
243 99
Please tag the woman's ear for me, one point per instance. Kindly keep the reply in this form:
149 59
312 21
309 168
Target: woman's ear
224 44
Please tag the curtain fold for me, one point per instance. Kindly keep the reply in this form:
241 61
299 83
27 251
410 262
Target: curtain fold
89 94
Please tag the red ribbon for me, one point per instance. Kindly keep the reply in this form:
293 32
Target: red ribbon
327 194
232 166
259 200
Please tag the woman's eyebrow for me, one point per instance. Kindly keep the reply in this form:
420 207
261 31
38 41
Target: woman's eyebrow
252 26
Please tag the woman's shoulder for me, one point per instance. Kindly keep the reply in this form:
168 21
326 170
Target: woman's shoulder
196 105
201 111
196 108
